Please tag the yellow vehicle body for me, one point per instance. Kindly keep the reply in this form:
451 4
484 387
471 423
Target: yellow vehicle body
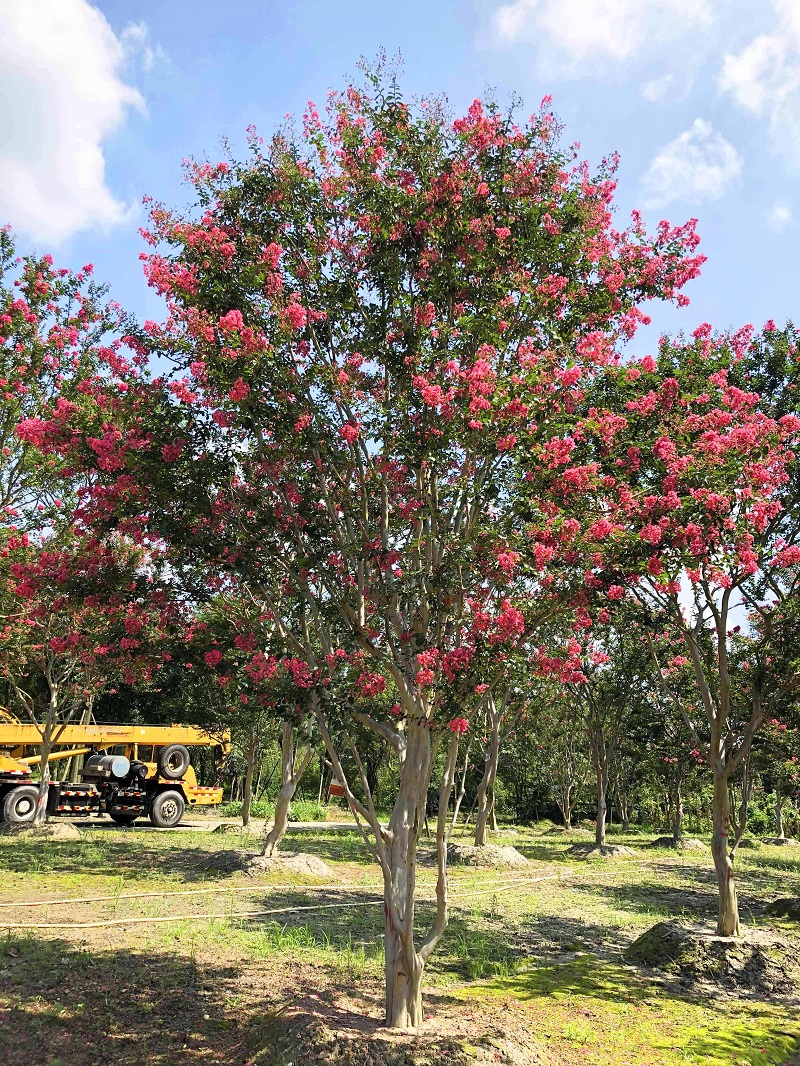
16 737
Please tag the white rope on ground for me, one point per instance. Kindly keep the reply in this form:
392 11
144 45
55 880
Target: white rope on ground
219 890
507 886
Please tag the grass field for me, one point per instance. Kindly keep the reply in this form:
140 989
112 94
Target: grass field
531 959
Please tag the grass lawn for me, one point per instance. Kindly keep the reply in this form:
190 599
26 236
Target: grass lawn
531 965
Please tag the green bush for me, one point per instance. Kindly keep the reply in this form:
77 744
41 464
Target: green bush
262 809
308 811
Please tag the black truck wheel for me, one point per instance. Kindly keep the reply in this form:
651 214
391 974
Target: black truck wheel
173 761
122 819
167 809
19 806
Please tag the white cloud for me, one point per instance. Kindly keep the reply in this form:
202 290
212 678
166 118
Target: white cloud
62 94
779 217
590 30
667 87
135 40
764 78
698 165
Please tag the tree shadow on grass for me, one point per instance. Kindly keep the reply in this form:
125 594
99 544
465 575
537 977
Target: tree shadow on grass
334 845
129 858
647 897
75 1007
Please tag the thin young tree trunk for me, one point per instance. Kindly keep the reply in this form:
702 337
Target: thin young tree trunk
486 787
257 789
677 814
741 816
779 833
566 805
247 798
624 811
461 788
600 821
48 734
294 763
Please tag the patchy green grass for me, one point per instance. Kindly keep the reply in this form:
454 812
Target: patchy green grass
602 1014
206 990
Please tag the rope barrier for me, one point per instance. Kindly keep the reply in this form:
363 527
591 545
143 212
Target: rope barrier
507 886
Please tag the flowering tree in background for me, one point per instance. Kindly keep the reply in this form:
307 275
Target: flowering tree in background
76 615
374 322
691 491
236 639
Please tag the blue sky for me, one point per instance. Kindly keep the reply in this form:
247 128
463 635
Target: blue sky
100 102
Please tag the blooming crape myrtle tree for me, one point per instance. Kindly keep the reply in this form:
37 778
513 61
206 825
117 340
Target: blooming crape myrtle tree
58 342
689 490
369 318
76 615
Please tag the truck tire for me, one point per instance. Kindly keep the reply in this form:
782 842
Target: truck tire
122 819
173 761
19 806
167 809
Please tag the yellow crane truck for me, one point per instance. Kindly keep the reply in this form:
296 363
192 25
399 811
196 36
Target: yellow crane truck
129 771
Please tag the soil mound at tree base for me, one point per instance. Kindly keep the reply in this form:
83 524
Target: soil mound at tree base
573 831
48 831
487 855
762 961
305 1040
602 851
785 908
245 862
782 842
684 844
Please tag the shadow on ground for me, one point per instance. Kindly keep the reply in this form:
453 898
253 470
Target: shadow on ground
125 854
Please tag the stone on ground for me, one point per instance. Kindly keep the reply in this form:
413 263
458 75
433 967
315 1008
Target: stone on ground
749 843
782 842
486 855
762 961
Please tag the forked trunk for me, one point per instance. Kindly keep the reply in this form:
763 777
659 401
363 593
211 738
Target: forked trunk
486 787
728 919
394 846
461 789
294 763
404 967
624 811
